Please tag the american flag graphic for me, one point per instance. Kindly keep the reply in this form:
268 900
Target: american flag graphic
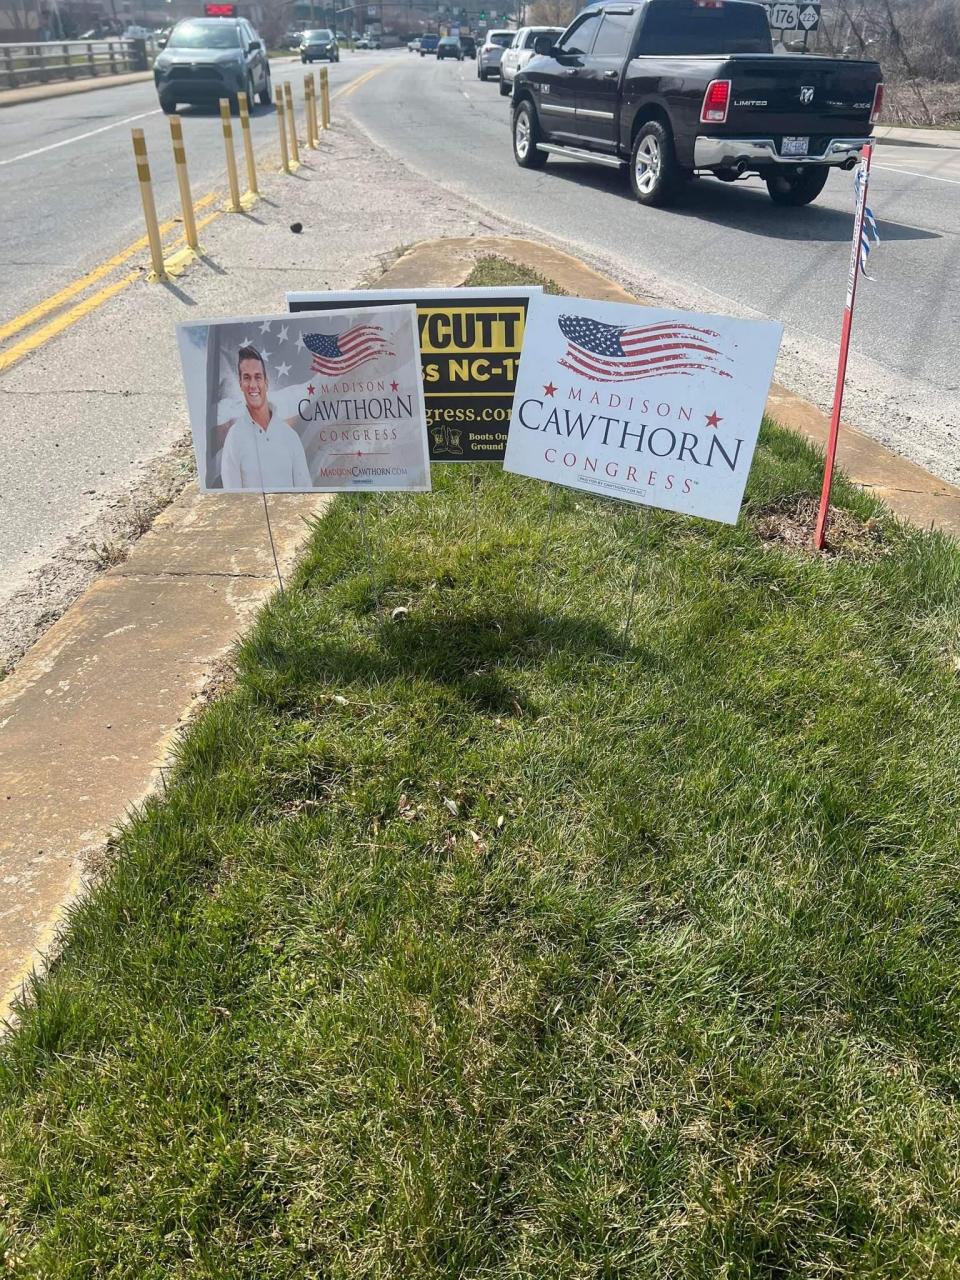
335 354
625 353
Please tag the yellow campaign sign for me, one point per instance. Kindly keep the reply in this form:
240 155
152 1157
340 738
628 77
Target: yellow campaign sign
488 330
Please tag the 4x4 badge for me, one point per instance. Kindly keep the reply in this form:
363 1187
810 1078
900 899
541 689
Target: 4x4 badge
806 93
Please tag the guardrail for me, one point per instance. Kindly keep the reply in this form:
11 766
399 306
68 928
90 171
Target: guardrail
23 64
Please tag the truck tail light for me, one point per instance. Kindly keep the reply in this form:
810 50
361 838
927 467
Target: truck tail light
877 103
716 103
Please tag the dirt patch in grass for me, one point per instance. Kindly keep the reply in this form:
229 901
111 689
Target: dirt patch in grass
790 522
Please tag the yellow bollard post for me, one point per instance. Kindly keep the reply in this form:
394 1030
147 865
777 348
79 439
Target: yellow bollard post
291 122
248 144
282 126
183 182
149 208
325 97
313 140
235 205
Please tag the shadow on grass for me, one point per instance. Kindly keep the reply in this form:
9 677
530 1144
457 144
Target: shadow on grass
471 656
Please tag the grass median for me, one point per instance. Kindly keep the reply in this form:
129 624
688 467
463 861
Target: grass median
486 941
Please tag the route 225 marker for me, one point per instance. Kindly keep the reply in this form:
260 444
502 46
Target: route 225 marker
656 407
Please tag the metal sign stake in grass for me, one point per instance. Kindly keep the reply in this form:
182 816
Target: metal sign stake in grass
857 259
366 551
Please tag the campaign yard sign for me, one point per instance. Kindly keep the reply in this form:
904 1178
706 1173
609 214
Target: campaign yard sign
291 404
470 343
641 404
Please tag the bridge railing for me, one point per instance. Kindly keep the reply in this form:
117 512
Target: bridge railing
43 62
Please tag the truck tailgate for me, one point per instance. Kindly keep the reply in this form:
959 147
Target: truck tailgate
776 94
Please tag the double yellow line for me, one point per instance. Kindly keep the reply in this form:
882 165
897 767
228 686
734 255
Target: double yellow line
62 315
354 85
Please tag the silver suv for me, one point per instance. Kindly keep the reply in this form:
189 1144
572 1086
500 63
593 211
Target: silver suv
491 51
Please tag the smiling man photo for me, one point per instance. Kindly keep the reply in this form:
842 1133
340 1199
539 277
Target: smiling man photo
261 450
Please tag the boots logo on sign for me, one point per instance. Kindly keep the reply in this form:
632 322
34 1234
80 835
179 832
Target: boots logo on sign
447 440
613 353
806 94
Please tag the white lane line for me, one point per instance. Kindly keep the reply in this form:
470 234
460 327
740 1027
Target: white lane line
912 173
79 137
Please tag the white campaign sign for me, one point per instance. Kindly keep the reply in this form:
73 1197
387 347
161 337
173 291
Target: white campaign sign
657 407
308 402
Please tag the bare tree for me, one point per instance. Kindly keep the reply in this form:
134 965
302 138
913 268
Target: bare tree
18 18
551 13
275 20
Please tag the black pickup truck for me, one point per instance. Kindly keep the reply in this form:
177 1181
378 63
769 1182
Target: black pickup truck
676 87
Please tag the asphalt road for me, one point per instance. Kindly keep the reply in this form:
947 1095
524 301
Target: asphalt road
723 242
69 197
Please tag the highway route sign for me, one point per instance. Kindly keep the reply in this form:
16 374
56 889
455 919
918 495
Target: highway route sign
810 17
784 17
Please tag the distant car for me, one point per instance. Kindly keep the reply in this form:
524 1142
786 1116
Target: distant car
320 44
291 39
211 58
163 36
491 51
450 47
469 46
413 46
134 32
520 53
428 44
368 42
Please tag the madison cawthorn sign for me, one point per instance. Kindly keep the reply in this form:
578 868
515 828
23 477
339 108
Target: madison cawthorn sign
470 343
657 407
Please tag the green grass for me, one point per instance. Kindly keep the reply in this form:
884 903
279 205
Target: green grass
488 943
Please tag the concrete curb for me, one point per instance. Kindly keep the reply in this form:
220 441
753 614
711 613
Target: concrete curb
932 137
64 88
89 716
912 493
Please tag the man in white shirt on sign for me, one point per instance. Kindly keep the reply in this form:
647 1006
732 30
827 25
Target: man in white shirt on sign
261 451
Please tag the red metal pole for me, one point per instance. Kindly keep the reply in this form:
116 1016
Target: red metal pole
819 536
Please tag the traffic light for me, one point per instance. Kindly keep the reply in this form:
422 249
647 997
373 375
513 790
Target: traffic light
483 15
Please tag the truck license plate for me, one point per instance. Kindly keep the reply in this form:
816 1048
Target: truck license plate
795 146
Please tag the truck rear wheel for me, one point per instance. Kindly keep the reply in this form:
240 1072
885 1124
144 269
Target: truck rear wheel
654 172
798 188
526 135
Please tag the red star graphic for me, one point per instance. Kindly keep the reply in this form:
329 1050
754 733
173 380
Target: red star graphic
713 419
394 386
310 391
549 389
